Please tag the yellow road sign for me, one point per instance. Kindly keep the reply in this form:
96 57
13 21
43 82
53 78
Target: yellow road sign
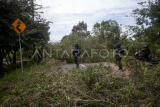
19 26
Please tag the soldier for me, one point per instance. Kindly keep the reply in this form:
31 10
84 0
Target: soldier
119 53
146 53
76 53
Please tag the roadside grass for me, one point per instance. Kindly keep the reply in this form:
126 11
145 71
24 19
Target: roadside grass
17 84
46 85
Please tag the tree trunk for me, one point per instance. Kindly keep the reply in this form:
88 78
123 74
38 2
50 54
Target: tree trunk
14 57
9 58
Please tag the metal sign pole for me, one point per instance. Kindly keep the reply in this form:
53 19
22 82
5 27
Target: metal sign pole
20 53
19 27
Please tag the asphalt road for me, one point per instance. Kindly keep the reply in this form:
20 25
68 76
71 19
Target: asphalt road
116 72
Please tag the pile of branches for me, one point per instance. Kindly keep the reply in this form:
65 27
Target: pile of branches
94 86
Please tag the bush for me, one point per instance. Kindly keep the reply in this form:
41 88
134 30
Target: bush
158 54
12 67
46 85
131 51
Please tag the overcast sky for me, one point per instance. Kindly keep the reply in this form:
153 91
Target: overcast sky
67 13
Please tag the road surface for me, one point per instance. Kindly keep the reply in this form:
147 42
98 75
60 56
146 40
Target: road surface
66 67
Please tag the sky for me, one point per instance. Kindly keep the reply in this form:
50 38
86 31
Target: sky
66 13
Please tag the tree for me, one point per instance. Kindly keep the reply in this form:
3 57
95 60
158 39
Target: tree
150 15
64 38
96 31
8 38
80 30
125 41
107 31
35 35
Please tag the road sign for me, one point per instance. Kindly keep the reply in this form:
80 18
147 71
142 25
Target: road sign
19 26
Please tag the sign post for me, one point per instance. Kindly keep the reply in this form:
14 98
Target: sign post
20 53
19 27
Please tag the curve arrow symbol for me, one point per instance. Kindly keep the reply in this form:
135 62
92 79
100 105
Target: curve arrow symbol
19 23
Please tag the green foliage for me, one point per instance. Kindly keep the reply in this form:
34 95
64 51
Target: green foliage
68 59
45 84
80 30
12 67
35 35
107 31
100 40
94 59
132 51
123 61
97 77
31 62
148 16
125 41
157 54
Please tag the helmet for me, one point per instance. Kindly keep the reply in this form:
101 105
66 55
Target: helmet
76 45
145 46
118 45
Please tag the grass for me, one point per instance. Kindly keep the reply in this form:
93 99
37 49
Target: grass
12 84
46 85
